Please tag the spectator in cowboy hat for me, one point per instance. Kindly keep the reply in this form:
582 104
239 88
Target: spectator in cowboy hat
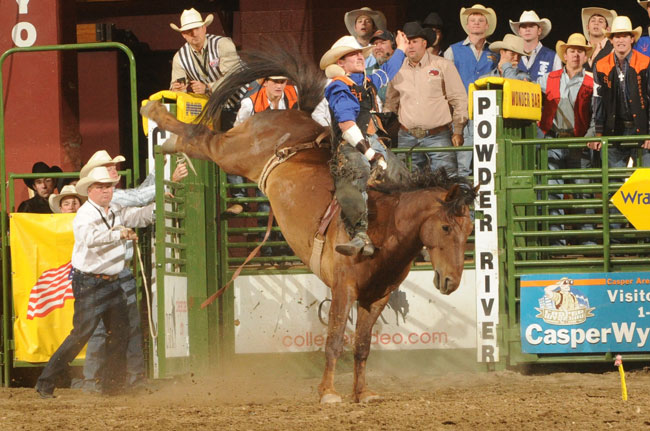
510 49
68 201
431 102
362 24
567 113
595 22
643 44
434 22
473 59
540 59
42 187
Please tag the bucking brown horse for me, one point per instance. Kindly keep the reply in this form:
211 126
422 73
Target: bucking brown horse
429 210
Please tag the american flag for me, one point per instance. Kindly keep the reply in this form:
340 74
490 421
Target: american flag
50 292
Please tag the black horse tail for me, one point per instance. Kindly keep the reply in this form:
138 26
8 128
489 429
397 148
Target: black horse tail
271 59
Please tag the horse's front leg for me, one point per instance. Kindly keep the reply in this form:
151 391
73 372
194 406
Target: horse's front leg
367 313
342 300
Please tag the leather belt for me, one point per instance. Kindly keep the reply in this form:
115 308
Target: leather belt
625 124
561 134
106 277
418 132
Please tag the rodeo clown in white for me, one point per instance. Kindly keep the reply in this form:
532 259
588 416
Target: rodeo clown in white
101 230
96 355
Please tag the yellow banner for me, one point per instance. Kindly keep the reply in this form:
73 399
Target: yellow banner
521 99
633 199
41 250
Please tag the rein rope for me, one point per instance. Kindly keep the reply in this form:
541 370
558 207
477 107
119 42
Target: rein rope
280 156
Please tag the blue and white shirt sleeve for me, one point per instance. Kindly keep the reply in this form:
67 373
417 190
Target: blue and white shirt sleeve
140 196
342 102
382 76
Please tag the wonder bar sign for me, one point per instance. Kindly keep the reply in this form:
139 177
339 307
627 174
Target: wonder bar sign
585 313
485 229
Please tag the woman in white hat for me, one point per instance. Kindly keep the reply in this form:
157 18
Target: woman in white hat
68 201
540 59
352 100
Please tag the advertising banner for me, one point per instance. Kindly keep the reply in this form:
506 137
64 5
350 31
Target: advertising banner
289 313
585 313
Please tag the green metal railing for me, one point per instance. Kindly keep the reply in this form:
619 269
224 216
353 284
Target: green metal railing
6 300
535 226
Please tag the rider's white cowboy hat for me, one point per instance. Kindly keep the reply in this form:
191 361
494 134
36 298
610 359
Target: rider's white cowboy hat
531 17
622 24
96 175
351 18
341 47
511 43
479 8
100 158
190 19
67 191
576 40
588 12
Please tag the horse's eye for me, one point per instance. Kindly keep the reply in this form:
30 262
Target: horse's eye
446 228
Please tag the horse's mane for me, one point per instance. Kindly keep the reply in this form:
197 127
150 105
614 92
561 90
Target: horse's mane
427 178
273 58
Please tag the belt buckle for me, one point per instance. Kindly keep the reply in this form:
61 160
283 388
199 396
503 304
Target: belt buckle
418 132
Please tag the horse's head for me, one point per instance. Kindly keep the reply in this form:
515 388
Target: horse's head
444 234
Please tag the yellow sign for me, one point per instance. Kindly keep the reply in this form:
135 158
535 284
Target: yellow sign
41 250
188 105
521 99
633 199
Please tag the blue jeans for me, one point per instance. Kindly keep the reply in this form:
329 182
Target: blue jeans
434 160
564 158
464 158
96 352
96 300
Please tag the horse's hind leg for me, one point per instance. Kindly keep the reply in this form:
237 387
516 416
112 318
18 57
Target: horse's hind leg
338 314
367 314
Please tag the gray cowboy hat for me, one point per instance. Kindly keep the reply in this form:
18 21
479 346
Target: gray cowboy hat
376 16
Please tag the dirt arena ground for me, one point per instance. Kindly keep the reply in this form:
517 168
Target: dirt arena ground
285 400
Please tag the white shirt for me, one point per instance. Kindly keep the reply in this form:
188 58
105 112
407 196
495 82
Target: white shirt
98 248
247 109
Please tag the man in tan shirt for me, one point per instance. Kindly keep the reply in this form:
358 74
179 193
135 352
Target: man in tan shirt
430 100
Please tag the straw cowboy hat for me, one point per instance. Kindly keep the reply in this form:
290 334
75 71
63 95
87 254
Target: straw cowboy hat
341 47
479 8
96 175
100 158
643 4
67 191
190 19
351 17
530 16
511 43
576 40
622 24
588 12
41 168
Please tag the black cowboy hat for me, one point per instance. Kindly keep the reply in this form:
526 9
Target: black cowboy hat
433 20
413 29
40 168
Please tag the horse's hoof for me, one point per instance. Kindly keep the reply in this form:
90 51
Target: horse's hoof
330 399
169 146
145 111
368 397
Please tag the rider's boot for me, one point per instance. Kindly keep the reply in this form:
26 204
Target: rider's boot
361 243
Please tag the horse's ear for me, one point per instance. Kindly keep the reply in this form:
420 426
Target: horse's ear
478 186
452 194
